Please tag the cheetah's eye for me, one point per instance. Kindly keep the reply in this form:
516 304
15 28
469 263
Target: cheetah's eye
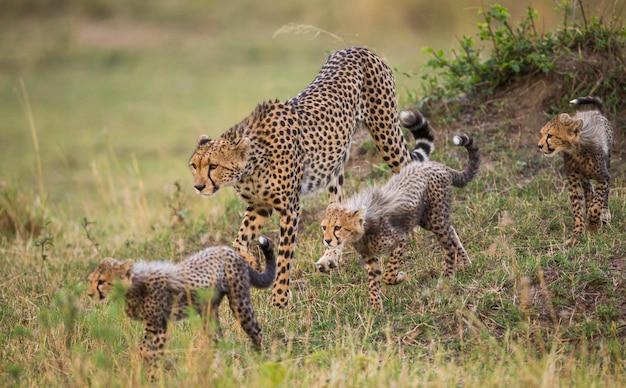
192 165
337 228
323 227
212 167
101 282
548 136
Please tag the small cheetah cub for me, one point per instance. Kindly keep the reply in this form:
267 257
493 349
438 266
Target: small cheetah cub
162 291
585 140
380 219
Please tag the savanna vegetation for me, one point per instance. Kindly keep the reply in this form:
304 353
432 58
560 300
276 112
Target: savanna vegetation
95 131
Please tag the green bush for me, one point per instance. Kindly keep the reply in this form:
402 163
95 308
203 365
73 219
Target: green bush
587 52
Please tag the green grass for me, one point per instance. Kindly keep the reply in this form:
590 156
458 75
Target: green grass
115 127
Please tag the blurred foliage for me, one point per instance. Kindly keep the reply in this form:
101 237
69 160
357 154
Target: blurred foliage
22 215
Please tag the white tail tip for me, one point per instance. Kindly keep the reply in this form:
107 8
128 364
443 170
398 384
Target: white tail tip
406 115
457 140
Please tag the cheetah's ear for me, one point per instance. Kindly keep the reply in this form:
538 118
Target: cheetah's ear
244 143
360 214
332 206
565 119
242 147
127 270
203 139
577 127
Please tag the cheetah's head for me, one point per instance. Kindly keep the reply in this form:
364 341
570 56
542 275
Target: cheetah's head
218 163
560 134
341 225
102 278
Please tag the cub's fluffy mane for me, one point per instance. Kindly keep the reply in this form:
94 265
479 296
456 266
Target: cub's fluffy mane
145 268
390 206
174 271
593 131
374 201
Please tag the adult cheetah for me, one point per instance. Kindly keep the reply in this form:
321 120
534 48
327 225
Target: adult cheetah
283 150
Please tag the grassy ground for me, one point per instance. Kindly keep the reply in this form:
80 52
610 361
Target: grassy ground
112 123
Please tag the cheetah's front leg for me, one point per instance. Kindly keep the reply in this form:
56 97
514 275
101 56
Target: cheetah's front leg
588 190
330 259
288 231
151 348
253 220
598 211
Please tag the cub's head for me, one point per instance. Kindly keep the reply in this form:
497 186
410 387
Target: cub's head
102 278
218 163
341 225
560 134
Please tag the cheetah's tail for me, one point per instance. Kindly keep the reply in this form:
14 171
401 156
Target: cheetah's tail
462 178
264 279
589 100
414 121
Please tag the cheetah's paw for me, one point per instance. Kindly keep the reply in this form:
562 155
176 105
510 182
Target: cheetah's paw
330 260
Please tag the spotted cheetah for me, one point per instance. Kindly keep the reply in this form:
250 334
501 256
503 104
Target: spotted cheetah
585 140
284 150
161 291
379 219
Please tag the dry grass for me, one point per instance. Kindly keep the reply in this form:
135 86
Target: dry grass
527 312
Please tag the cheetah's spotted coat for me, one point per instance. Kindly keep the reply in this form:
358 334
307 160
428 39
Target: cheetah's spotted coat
287 149
162 291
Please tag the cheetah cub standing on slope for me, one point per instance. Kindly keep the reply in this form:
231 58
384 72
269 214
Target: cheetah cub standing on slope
159 291
585 140
380 219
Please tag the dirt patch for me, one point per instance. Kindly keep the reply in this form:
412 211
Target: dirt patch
557 301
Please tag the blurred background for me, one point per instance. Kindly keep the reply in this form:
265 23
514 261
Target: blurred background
100 95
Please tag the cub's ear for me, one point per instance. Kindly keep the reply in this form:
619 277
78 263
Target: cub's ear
565 119
332 206
127 269
577 126
203 139
360 214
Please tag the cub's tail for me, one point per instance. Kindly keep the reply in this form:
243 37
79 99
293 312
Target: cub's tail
414 121
462 178
266 278
589 100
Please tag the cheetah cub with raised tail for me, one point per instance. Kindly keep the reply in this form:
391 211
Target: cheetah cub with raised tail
379 219
585 140
161 291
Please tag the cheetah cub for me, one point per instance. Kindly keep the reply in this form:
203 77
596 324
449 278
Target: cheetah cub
159 291
585 140
379 219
